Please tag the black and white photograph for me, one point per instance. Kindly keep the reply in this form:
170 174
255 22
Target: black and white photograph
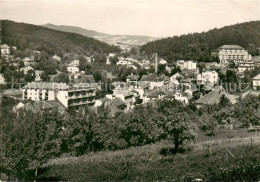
129 90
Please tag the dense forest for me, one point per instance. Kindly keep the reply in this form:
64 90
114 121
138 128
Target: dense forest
198 46
27 36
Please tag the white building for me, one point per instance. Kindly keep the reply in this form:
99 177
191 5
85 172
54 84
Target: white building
57 58
186 65
233 53
78 95
5 50
74 63
246 66
73 69
206 77
162 61
38 75
256 82
26 69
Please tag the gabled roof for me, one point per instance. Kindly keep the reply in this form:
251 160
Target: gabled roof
257 77
157 91
38 106
152 78
231 47
133 77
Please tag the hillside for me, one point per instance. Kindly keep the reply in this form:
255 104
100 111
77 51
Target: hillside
124 41
34 37
198 46
152 163
74 29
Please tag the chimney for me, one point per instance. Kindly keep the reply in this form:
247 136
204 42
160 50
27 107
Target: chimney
156 63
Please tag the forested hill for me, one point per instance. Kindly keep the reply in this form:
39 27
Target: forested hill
198 46
34 37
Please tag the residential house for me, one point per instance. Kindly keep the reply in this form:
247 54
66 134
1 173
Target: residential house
74 63
246 66
153 80
181 96
158 93
26 69
214 97
256 82
57 58
207 77
73 69
28 61
132 78
162 61
186 65
5 50
38 75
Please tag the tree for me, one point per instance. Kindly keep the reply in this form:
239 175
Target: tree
61 78
97 76
178 121
224 101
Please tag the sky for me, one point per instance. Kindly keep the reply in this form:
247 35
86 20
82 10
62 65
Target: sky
157 18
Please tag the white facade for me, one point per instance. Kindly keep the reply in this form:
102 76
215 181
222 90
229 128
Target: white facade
69 97
233 53
242 67
186 65
207 77
5 50
73 69
256 82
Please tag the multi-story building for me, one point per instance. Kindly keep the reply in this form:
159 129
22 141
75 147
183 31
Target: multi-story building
186 65
233 53
246 66
77 95
207 77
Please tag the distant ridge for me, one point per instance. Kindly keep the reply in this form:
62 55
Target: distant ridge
74 29
124 41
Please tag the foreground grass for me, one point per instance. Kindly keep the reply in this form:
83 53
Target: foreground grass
239 162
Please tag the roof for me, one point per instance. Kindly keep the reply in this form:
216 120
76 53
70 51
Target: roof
156 91
152 78
4 46
56 103
38 106
214 96
133 77
231 47
257 77
46 86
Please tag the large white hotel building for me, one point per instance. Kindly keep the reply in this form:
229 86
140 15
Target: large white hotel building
233 53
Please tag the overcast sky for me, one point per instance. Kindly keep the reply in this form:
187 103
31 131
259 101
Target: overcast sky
159 18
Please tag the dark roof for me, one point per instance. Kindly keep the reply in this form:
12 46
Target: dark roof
157 91
152 78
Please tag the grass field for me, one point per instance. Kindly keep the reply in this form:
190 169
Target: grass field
228 159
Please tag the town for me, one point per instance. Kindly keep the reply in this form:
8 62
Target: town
186 81
81 105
